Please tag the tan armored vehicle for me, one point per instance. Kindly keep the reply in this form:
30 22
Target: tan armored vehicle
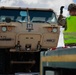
27 30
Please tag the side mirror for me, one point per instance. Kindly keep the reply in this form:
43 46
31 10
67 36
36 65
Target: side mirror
61 10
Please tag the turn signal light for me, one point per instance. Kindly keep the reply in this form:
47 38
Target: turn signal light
49 29
9 28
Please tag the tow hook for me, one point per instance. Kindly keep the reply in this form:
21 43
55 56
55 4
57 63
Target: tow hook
38 46
18 46
28 47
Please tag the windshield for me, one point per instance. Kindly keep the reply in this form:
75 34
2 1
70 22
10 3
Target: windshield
42 16
37 16
14 15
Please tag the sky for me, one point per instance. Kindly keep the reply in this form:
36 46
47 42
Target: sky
54 4
75 1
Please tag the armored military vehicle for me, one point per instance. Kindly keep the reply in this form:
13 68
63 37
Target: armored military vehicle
24 33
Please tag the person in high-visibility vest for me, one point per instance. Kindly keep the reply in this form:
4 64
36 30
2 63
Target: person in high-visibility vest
70 25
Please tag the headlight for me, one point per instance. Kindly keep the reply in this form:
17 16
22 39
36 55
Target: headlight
4 29
54 30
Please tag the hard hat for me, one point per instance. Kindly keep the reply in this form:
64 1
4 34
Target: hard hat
72 6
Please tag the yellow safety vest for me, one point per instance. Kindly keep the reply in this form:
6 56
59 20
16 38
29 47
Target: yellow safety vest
70 33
